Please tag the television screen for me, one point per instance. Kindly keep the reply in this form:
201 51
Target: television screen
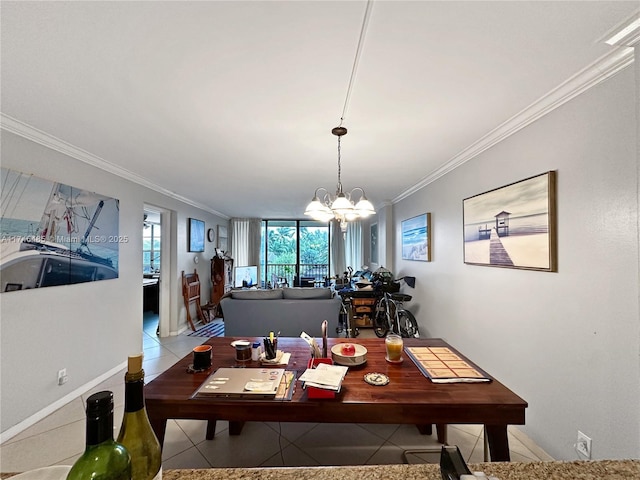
246 277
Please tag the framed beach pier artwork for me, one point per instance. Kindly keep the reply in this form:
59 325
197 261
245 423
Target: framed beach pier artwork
416 238
513 226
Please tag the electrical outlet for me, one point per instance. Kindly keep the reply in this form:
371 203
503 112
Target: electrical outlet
62 376
583 445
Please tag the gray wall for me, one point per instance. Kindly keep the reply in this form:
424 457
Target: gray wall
567 342
88 328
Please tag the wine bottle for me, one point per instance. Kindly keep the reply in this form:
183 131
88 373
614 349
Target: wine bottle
103 458
136 433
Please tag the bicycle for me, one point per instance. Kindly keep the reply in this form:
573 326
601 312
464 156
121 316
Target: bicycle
344 318
390 315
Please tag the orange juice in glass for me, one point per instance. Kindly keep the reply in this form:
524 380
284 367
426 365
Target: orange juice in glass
394 345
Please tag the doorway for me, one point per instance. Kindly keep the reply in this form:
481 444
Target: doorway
156 270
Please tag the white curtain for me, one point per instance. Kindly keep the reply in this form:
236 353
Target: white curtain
338 261
353 245
255 227
346 249
244 236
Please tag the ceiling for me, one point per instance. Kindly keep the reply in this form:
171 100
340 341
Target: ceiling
230 105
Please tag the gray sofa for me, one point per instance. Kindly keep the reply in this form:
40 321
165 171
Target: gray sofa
290 311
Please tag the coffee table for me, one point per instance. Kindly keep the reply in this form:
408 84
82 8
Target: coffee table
409 398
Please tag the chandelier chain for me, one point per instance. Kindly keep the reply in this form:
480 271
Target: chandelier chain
339 167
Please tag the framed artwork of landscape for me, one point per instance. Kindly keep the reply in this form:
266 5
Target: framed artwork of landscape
416 238
513 226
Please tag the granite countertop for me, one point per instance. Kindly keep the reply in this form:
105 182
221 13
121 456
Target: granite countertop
579 470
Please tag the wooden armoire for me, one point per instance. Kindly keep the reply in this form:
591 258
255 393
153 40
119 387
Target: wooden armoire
221 277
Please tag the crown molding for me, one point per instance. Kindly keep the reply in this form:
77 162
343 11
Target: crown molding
625 34
25 130
605 67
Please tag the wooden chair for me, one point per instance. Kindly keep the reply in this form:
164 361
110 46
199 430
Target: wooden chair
191 295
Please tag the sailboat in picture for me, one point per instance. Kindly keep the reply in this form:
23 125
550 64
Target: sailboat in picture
74 240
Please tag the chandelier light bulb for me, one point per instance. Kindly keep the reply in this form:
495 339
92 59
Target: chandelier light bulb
364 207
342 205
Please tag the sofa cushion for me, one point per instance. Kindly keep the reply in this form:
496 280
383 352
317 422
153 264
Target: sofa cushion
305 293
274 294
256 318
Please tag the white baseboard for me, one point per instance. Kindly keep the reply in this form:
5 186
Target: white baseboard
48 410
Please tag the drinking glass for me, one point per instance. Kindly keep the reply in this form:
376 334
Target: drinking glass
394 346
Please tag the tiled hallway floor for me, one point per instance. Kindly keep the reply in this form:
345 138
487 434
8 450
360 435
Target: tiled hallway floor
59 438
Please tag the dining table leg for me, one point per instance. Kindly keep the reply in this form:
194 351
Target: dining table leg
159 426
498 442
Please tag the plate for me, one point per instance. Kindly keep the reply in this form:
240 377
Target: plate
377 379
55 472
359 358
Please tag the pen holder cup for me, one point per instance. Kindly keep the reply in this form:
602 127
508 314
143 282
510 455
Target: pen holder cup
313 392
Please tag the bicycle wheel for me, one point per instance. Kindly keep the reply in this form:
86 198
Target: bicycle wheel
380 321
342 319
408 324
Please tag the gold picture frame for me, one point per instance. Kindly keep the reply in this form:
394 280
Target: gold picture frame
513 226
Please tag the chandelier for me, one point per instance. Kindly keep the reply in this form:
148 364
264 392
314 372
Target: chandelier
342 206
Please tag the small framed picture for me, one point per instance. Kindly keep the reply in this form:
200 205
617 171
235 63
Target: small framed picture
416 238
222 237
196 235
374 243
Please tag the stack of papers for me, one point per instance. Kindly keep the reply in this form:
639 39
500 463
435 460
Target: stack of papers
325 376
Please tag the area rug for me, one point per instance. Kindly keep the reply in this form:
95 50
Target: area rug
213 329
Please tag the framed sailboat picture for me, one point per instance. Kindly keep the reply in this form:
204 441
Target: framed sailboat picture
54 234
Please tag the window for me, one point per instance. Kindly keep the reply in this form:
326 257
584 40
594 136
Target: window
151 248
294 252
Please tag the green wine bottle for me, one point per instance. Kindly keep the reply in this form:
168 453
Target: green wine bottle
103 458
136 433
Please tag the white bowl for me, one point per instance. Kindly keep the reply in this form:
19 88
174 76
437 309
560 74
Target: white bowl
359 358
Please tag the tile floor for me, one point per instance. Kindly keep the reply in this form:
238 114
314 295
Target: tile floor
59 438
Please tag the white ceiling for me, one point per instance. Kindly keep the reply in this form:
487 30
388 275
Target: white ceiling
230 104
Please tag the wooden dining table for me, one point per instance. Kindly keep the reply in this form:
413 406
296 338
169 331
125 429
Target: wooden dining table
409 397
